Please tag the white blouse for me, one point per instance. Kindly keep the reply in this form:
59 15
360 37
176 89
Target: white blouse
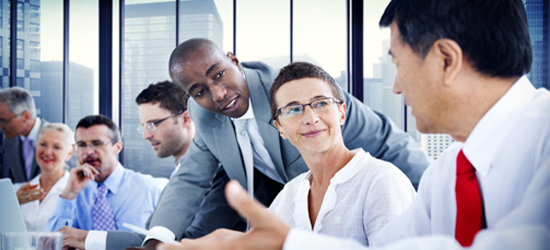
36 214
362 197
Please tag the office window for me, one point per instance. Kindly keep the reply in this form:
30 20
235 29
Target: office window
379 72
19 26
263 31
319 36
149 38
83 60
20 44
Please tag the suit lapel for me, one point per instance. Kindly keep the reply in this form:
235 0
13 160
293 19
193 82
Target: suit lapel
262 113
229 153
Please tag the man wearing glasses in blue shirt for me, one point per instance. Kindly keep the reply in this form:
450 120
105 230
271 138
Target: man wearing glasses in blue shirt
101 194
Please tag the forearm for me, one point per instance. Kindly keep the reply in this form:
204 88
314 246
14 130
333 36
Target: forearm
63 215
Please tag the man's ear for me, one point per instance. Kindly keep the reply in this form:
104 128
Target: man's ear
233 59
118 146
186 118
452 56
281 132
26 115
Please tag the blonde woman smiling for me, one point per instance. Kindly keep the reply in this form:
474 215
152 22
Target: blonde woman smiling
54 147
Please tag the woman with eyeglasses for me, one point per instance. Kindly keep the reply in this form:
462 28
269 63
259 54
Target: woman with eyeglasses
347 192
54 147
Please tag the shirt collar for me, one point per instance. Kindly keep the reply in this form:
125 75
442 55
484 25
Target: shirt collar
489 132
34 131
348 171
115 178
249 113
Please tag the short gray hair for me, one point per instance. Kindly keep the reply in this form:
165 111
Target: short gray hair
67 133
18 100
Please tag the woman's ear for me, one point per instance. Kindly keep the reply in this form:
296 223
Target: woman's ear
281 130
342 109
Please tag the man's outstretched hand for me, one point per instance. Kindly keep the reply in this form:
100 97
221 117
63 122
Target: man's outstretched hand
268 231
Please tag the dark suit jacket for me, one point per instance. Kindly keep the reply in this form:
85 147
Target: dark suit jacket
215 146
13 152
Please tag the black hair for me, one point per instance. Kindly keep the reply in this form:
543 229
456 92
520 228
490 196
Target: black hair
493 35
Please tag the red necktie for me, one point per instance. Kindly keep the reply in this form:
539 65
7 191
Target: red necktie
468 201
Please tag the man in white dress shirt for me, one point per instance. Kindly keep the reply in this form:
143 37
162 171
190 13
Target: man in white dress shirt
461 65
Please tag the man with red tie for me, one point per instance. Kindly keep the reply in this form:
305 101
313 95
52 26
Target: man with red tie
461 65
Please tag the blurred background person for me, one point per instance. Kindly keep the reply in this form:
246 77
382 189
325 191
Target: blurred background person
20 126
54 147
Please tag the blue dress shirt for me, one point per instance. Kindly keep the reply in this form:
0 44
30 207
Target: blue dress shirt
133 197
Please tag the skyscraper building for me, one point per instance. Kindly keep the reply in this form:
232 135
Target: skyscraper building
435 144
28 45
149 38
537 17
79 92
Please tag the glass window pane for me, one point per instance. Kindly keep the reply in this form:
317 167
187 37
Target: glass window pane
379 72
200 19
225 9
320 36
83 60
149 38
263 31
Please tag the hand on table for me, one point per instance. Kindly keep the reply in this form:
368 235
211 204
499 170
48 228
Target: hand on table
73 238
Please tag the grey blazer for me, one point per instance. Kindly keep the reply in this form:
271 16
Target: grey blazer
215 146
13 151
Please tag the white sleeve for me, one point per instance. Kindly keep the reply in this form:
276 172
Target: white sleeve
96 240
298 239
390 194
162 231
532 237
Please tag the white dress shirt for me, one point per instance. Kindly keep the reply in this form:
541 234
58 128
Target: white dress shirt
510 150
36 213
361 198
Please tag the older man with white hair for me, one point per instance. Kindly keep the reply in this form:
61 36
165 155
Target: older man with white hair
20 126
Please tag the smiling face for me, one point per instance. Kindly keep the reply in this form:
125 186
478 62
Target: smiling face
213 80
417 80
170 136
102 158
313 131
52 150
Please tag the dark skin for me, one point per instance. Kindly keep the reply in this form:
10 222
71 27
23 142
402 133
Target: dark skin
213 79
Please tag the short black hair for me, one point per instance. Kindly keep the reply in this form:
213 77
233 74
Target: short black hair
92 120
493 35
170 96
297 71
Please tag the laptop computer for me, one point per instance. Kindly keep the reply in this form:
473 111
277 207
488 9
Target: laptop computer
11 218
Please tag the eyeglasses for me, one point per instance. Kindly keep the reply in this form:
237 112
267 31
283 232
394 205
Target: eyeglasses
6 121
81 146
316 105
151 126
